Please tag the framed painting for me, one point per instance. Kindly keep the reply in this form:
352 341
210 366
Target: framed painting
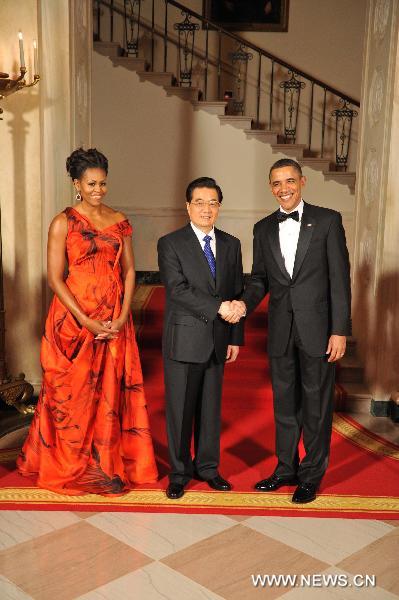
248 15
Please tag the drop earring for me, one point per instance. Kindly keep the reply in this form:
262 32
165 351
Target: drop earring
78 197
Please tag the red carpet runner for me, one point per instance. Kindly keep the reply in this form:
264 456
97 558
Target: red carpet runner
361 482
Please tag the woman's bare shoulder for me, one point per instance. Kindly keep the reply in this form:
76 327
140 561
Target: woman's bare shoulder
114 215
59 225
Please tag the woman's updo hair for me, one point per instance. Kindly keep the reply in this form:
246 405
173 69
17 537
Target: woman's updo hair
80 160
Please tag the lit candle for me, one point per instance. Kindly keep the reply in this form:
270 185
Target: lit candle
21 50
35 59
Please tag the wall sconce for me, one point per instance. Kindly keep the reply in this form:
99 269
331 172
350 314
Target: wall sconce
9 86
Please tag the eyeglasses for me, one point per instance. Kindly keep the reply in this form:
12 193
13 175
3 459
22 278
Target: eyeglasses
203 203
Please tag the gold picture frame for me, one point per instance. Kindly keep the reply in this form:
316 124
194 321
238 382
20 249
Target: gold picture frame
248 15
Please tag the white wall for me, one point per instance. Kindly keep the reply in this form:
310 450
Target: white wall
156 144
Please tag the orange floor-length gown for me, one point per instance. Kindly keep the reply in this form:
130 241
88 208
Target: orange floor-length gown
90 431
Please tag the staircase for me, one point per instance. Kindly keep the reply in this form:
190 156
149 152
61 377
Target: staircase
275 139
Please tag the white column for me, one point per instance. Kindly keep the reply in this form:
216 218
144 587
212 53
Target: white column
376 259
81 48
65 50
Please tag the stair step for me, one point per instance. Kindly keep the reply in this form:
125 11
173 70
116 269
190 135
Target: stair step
263 135
158 78
213 108
319 164
341 177
350 346
310 153
129 62
241 122
295 150
350 370
108 48
357 398
185 93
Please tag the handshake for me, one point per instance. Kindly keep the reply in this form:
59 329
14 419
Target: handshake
232 311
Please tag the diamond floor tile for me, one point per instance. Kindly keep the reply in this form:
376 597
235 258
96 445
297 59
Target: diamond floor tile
153 582
63 564
224 563
380 559
158 535
330 540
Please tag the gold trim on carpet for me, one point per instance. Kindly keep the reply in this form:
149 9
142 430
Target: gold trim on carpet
363 439
207 500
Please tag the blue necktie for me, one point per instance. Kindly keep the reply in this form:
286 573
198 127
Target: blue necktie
209 255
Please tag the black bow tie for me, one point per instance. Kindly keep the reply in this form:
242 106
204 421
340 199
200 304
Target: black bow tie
281 217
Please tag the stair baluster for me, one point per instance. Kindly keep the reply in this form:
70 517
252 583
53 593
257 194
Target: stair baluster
186 31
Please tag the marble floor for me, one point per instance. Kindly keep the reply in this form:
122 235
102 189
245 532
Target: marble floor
58 555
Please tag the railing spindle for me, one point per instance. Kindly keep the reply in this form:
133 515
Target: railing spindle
165 38
219 62
271 97
111 25
349 144
98 20
125 11
344 116
138 26
323 125
311 117
206 62
258 91
152 34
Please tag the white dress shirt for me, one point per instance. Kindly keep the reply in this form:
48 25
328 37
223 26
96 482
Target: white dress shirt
289 234
200 235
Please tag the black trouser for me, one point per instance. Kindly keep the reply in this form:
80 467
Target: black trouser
303 388
193 397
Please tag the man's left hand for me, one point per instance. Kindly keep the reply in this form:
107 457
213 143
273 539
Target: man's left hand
336 347
232 353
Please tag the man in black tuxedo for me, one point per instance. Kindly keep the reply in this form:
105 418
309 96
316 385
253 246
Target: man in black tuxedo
201 268
301 258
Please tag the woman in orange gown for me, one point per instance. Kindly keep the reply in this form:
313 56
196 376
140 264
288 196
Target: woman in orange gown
90 431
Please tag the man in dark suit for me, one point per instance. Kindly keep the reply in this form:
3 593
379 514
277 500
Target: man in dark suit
301 258
201 268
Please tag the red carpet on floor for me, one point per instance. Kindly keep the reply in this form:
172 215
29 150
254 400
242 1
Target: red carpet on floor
362 480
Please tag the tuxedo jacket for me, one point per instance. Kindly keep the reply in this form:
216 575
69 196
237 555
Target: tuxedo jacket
192 327
318 293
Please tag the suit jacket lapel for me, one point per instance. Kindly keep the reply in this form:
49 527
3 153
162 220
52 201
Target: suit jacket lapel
274 241
196 250
305 235
221 255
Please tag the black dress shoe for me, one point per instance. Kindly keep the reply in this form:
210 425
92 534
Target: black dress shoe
218 483
305 492
175 491
273 483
